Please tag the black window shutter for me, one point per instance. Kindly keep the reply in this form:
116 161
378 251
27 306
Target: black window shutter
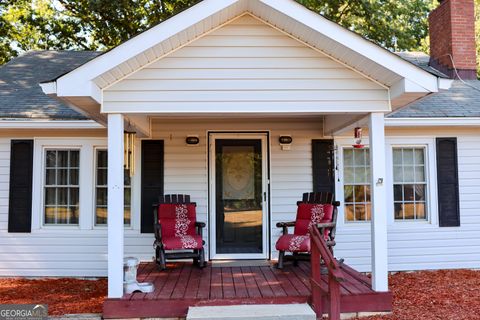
447 180
20 193
152 181
323 166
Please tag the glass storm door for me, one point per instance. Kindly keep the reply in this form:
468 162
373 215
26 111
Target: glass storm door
238 207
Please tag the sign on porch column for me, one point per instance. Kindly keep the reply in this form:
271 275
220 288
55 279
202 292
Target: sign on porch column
379 204
115 205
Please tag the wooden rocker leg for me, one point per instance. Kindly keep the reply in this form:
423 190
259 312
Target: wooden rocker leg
295 259
281 256
201 263
162 264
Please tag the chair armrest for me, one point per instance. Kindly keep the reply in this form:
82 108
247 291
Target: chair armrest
200 224
326 225
285 224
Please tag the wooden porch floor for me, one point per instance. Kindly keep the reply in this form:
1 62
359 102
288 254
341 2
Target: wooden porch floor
182 285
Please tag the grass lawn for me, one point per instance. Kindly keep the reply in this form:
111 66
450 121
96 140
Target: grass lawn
426 295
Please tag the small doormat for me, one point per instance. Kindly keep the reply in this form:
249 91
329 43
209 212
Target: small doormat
240 263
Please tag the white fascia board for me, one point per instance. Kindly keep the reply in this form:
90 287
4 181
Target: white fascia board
49 88
49 124
433 122
405 86
78 82
444 84
355 42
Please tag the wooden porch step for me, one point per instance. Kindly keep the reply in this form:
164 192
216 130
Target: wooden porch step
259 311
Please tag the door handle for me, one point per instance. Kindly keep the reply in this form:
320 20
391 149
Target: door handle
265 196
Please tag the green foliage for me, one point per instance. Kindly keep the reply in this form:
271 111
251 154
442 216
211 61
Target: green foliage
396 25
103 24
77 24
109 23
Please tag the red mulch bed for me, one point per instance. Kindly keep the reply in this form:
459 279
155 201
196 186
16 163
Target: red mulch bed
63 296
426 295
435 295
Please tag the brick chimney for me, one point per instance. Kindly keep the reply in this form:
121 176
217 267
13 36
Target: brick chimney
452 36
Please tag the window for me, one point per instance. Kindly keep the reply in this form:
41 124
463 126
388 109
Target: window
356 188
409 183
61 187
101 188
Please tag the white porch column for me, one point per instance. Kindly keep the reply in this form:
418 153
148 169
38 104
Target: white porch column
115 205
379 203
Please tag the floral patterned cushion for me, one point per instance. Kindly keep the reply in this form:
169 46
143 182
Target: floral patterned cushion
178 226
309 214
183 242
177 220
293 243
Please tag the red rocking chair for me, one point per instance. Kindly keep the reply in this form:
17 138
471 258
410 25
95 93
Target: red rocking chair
315 210
176 228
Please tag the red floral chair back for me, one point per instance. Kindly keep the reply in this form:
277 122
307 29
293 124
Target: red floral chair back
177 220
309 214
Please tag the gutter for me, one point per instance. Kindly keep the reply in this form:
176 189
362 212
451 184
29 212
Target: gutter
49 124
433 122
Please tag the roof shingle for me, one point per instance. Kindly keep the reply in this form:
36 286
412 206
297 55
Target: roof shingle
21 96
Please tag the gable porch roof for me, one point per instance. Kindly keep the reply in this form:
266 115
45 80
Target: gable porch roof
83 86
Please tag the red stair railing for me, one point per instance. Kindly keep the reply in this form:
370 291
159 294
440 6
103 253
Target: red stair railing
321 252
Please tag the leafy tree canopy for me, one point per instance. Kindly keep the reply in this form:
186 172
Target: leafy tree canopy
396 25
103 24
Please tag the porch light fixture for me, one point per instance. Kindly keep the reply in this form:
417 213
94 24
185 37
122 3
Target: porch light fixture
285 142
129 152
357 135
192 140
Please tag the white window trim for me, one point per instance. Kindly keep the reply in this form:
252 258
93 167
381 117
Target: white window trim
56 186
86 197
94 191
85 181
340 145
431 180
431 176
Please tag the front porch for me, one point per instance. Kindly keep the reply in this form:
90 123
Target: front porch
182 285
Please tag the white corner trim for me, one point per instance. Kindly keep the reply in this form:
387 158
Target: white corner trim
432 122
50 124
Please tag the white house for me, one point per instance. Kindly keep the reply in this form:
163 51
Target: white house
237 75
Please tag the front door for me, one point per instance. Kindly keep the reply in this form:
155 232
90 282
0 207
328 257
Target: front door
238 196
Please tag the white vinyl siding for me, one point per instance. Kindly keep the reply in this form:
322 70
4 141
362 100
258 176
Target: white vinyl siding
245 66
418 245
412 245
186 167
